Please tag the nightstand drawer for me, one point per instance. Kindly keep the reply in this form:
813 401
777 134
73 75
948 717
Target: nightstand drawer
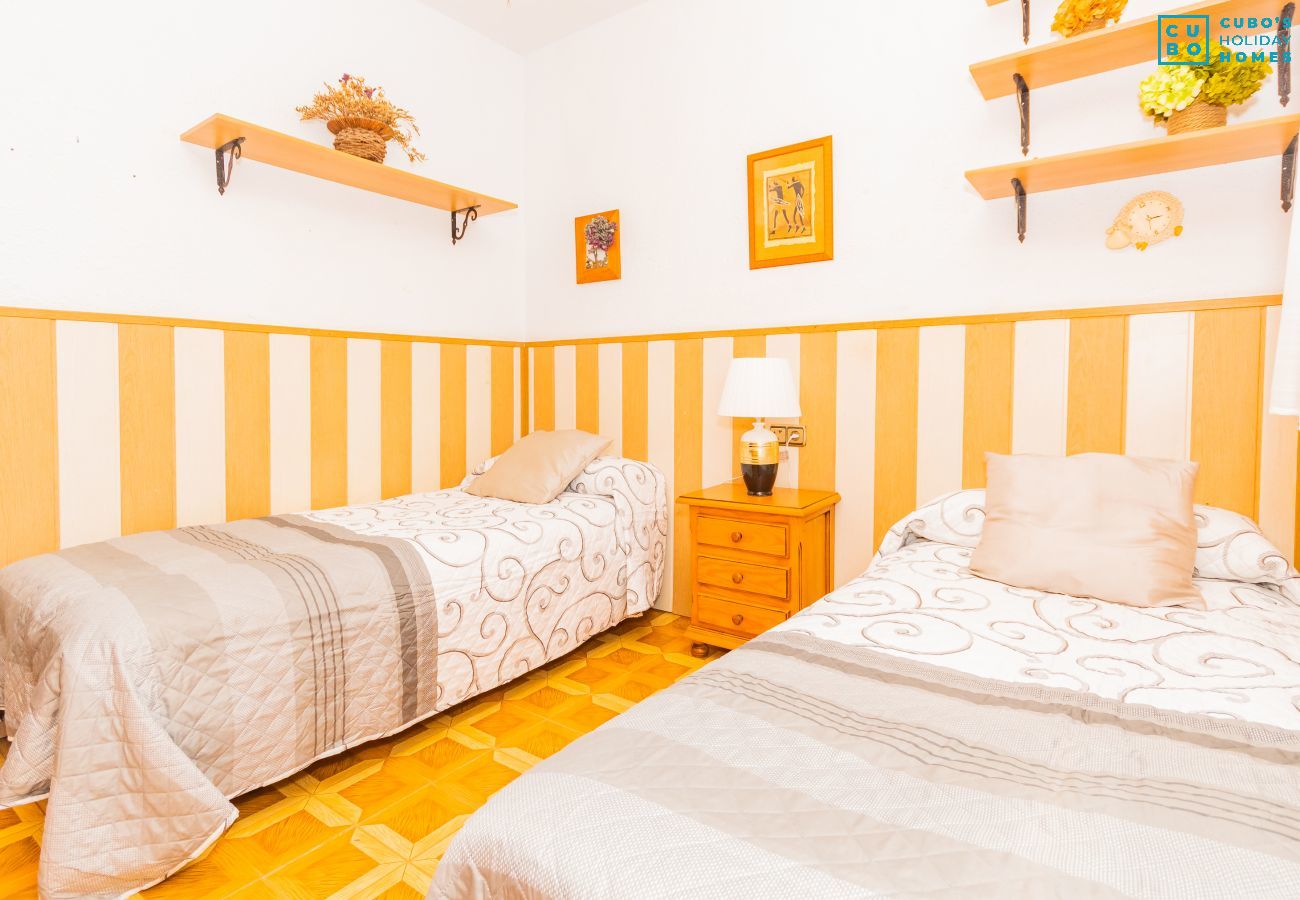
756 537
737 618
739 576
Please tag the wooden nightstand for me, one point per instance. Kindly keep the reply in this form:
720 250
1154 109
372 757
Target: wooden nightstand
756 560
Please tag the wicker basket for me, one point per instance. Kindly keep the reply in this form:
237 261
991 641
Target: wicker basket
365 138
1197 116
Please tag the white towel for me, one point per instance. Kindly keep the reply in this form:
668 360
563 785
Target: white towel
1285 400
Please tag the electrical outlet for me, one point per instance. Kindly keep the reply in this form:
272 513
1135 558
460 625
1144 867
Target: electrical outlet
780 431
795 436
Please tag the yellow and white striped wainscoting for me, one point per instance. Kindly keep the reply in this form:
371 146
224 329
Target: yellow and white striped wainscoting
900 412
114 425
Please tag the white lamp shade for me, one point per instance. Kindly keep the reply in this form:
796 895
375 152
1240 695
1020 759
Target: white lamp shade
759 388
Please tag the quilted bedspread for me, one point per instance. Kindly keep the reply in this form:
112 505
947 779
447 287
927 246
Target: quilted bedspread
148 679
924 733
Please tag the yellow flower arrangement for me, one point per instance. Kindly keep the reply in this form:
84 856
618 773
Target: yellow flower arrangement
1168 90
353 100
1075 16
1226 81
1233 77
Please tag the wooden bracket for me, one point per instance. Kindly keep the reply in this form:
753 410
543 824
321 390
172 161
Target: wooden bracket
1022 102
227 168
1288 174
1024 20
1022 204
458 234
1284 53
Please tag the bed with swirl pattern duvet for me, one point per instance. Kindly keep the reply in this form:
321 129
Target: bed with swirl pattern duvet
147 679
922 732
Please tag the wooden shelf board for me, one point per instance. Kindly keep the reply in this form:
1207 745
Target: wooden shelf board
1116 46
288 152
1214 146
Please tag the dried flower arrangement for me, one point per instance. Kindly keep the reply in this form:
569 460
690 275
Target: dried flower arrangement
362 119
600 233
1077 16
1189 98
597 247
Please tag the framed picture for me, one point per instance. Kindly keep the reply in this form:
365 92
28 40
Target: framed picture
790 205
597 247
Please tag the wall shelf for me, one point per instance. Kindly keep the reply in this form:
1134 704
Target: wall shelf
1213 9
1213 146
224 133
1114 47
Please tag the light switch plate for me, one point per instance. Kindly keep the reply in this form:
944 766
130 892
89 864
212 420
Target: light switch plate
789 435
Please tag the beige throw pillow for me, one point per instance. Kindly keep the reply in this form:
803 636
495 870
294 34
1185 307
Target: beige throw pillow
1117 528
538 467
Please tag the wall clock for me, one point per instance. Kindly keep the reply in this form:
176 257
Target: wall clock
1145 220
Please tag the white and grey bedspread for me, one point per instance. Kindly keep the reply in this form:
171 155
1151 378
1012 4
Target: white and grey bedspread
148 679
925 733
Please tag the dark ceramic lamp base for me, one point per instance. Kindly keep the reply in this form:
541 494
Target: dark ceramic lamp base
759 478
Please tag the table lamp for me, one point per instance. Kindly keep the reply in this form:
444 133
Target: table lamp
759 388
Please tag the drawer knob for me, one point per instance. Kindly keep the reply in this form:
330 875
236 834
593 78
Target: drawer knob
737 619
736 537
737 577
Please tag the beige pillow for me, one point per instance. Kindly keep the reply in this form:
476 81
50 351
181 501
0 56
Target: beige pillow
539 466
1118 528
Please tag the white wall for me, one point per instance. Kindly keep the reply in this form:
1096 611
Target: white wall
102 208
653 112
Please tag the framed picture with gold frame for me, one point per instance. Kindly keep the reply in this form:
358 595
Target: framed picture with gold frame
790 205
597 247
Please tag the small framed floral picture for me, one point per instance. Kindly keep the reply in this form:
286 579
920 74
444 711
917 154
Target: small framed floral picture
597 246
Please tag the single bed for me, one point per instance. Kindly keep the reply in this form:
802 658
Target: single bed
922 732
148 679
